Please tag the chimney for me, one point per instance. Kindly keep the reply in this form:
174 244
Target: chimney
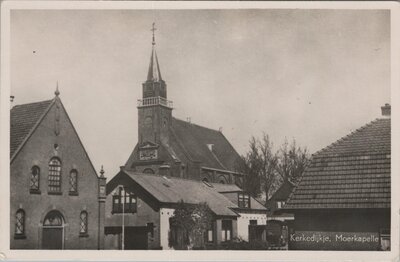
164 170
386 111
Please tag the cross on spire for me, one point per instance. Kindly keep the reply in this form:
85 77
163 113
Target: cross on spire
153 29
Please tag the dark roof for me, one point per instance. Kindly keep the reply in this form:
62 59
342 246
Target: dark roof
226 187
353 172
23 119
173 190
284 191
192 140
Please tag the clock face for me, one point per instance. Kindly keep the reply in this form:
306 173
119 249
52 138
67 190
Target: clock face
148 154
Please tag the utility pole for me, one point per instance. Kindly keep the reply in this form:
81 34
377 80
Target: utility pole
123 217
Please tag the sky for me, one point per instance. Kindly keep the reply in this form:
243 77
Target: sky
309 75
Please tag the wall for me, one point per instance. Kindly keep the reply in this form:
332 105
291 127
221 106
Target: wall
165 214
243 222
147 212
38 150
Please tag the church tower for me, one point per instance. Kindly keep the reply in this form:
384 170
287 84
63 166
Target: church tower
155 111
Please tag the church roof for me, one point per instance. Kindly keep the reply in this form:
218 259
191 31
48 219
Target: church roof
194 140
23 119
172 190
353 172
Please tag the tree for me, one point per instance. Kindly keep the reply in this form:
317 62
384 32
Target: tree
292 161
189 224
265 170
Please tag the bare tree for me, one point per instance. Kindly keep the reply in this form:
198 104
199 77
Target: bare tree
265 170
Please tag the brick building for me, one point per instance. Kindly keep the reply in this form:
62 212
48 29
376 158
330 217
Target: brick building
343 198
57 199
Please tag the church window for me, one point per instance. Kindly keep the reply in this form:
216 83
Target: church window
83 223
148 171
55 175
165 122
73 182
243 200
124 201
20 223
35 179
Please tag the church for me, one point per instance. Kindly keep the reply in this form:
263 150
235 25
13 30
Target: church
57 199
173 161
182 148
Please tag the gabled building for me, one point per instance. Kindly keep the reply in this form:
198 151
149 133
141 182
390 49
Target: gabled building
343 198
57 199
191 151
151 199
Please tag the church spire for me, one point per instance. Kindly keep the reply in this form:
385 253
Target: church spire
154 73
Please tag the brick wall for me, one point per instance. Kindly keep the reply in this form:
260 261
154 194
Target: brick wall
38 150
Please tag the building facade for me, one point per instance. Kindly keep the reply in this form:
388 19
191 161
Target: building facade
57 199
344 196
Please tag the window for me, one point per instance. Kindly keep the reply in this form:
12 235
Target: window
126 200
20 224
280 204
226 230
73 182
210 234
35 179
55 175
148 171
244 200
83 224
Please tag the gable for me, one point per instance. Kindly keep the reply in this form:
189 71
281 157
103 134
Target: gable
46 133
353 172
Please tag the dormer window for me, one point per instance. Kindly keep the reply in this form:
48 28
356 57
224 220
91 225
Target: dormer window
243 200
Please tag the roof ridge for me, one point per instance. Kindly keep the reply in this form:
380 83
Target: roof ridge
345 137
32 103
190 123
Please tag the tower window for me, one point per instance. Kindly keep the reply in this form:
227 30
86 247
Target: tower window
55 175
73 182
148 122
35 179
20 224
83 224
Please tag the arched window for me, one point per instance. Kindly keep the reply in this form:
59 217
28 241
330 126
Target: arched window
148 171
55 175
35 179
20 223
83 223
73 182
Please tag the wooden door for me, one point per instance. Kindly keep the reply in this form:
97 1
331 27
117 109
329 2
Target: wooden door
52 238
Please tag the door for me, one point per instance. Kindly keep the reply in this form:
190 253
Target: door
136 238
52 238
53 231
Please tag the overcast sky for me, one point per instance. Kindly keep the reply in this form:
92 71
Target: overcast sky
312 75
